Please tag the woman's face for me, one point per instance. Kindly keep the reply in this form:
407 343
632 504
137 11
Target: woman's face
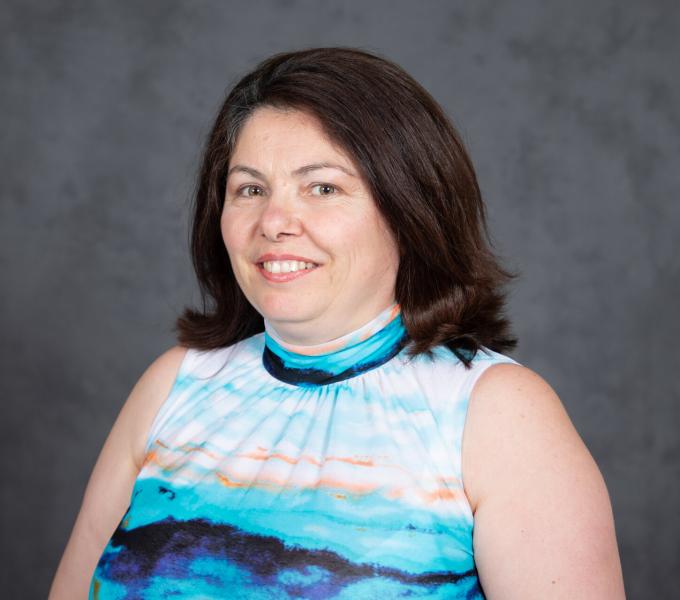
294 197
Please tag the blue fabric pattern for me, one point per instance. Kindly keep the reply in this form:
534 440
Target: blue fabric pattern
280 471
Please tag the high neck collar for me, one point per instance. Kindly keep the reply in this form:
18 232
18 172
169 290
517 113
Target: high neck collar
365 348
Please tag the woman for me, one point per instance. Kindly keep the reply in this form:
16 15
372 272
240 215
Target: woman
306 440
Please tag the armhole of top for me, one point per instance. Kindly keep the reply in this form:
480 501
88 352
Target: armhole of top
466 393
480 368
170 400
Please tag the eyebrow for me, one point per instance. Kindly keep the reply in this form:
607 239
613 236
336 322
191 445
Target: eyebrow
298 172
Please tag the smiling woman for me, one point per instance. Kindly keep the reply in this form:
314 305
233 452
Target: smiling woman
340 419
341 233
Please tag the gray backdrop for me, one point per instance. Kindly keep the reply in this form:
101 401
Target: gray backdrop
571 114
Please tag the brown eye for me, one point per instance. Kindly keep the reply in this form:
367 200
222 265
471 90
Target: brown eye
325 189
246 188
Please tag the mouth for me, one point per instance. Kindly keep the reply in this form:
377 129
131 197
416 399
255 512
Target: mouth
285 270
287 266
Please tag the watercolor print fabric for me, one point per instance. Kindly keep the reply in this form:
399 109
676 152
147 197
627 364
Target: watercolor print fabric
255 487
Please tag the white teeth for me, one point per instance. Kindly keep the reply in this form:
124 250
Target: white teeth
286 266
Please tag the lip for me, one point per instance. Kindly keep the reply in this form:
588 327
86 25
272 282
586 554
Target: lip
271 256
283 277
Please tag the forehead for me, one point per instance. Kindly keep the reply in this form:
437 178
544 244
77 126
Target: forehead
288 133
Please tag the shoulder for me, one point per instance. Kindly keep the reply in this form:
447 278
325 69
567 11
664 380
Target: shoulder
516 419
164 367
535 491
146 397
107 494
154 387
157 379
511 392
508 389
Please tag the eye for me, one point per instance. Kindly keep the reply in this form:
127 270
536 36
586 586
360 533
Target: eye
243 191
325 189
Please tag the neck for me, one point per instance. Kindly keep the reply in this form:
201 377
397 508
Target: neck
318 333
354 352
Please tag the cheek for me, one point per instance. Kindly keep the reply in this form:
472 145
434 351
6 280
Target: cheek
363 237
369 252
380 243
230 234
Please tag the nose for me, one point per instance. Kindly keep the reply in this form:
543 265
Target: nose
279 217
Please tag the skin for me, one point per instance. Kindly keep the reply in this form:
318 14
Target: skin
326 215
109 488
543 523
543 519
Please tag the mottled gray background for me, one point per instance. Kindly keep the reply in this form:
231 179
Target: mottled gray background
571 113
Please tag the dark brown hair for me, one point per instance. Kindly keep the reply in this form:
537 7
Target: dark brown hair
421 178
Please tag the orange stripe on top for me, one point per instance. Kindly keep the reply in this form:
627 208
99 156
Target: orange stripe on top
171 461
445 489
264 454
286 484
426 497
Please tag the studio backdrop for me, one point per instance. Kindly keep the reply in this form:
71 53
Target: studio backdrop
571 112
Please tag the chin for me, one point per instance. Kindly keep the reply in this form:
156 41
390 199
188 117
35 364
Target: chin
287 309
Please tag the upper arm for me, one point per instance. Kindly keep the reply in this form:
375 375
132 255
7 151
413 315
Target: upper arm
543 524
108 491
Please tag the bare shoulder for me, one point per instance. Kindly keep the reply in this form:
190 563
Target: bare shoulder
107 494
161 373
513 413
536 493
147 396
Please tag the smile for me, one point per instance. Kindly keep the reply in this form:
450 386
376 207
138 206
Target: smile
285 270
287 266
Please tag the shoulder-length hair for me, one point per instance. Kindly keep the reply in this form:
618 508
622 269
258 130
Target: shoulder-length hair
449 284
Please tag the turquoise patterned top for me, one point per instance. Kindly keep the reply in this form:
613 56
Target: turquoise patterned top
282 471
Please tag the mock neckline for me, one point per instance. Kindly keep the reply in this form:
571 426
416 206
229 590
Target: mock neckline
355 352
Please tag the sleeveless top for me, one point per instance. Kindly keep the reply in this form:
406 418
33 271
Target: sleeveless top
325 471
